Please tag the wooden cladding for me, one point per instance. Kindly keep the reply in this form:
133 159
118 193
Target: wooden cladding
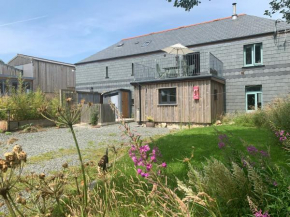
51 77
186 110
9 70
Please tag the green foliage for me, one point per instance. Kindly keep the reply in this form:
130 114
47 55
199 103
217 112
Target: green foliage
94 116
150 119
253 119
276 6
279 6
186 4
8 133
277 112
24 106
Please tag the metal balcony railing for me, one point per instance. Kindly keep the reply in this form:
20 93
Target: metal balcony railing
168 67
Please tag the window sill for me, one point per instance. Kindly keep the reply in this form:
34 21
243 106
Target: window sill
166 104
257 66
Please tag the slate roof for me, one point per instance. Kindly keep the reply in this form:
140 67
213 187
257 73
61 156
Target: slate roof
207 32
41 59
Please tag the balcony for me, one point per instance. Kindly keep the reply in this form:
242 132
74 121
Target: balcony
177 66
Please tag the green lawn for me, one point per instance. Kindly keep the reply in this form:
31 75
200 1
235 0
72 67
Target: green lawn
175 147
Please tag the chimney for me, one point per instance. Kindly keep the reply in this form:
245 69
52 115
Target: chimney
234 16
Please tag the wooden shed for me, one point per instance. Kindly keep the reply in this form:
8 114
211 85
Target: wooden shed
196 99
48 75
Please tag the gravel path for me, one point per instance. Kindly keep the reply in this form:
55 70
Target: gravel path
53 139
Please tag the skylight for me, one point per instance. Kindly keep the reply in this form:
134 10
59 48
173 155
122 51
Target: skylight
121 44
146 43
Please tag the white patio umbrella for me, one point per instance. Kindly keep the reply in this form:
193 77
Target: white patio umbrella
177 49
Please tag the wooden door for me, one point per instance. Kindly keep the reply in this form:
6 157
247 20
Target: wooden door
125 105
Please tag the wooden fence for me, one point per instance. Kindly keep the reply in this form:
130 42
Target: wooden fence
106 113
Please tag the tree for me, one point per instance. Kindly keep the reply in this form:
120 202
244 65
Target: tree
280 6
276 6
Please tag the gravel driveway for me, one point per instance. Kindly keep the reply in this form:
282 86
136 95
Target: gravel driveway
53 139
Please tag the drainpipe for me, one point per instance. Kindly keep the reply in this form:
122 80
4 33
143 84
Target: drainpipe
140 122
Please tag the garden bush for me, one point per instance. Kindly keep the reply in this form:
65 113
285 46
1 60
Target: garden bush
24 106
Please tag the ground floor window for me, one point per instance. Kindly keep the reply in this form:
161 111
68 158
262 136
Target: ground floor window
167 96
254 99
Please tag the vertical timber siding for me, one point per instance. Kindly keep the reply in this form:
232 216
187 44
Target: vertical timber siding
51 77
9 70
217 106
186 110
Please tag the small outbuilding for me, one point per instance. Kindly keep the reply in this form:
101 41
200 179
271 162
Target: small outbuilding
188 100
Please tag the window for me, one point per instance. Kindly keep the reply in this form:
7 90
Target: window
167 96
253 55
215 92
254 98
146 43
120 44
27 86
107 72
14 85
132 69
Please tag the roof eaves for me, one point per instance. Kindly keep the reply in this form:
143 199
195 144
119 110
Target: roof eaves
199 77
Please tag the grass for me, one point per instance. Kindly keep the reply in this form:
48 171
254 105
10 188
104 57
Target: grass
203 143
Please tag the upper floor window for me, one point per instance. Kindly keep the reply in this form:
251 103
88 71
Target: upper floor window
253 54
107 72
132 74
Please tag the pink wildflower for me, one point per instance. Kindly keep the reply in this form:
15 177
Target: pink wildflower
164 165
139 171
148 167
221 145
260 214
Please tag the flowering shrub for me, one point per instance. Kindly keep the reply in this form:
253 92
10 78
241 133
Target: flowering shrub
283 136
268 186
146 161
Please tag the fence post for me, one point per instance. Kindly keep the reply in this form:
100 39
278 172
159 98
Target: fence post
8 122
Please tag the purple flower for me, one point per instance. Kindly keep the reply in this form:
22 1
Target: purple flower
252 149
260 214
282 133
144 148
264 153
135 160
140 163
221 145
164 165
275 183
139 171
223 136
153 158
148 167
144 175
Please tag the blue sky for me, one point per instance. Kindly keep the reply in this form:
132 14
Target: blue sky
71 30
